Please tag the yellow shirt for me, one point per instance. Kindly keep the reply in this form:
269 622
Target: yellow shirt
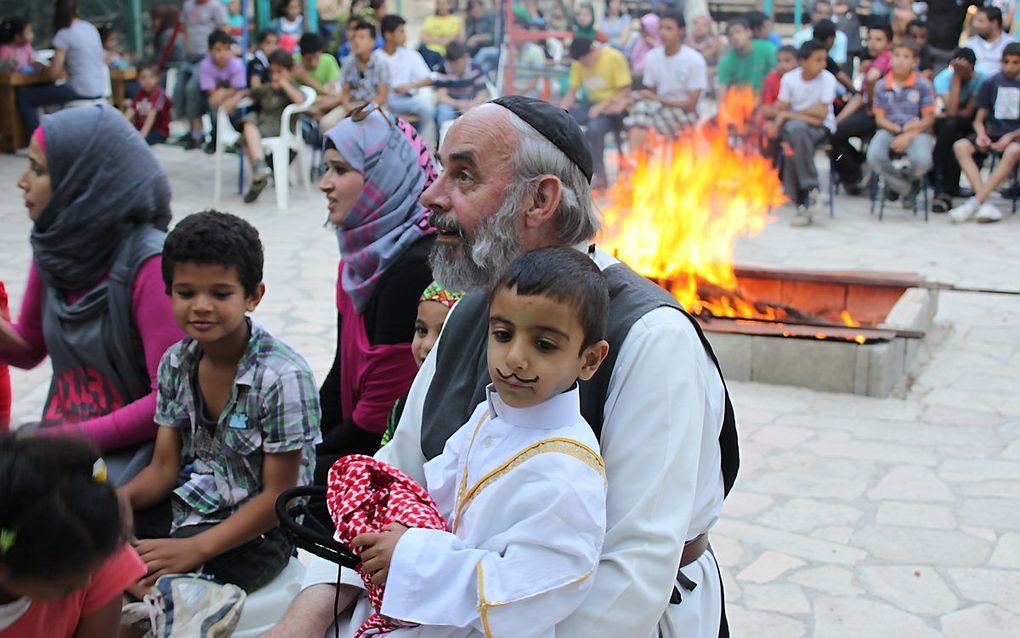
445 28
605 78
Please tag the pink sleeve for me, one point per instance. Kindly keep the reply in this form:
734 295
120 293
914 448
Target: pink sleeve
28 326
120 570
156 326
386 378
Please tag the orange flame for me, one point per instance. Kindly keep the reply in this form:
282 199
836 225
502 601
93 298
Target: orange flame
679 214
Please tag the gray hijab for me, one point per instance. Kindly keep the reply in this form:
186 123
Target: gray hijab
106 184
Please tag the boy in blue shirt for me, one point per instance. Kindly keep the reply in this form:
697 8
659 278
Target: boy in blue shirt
238 412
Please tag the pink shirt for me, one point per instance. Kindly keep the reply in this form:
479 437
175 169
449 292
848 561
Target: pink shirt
153 317
22 56
60 618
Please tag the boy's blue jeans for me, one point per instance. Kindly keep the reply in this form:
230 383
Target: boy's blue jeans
918 154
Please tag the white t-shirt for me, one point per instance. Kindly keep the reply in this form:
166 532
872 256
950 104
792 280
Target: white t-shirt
675 76
406 66
802 94
84 58
988 54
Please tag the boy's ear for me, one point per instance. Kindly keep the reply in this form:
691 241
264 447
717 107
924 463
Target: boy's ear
253 301
592 358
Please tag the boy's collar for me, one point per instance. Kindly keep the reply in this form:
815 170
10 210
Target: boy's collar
890 80
555 412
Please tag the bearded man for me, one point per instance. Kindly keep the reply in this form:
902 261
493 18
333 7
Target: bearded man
516 178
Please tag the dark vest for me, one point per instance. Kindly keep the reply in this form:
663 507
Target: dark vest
96 351
458 385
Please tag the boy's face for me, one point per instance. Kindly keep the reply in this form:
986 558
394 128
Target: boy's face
670 33
311 60
362 43
785 62
877 42
147 79
918 35
428 324
209 302
398 37
220 54
740 37
270 44
822 11
459 66
534 350
293 9
700 27
1011 66
814 63
278 73
903 61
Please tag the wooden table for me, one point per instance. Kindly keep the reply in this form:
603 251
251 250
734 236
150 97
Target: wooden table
12 133
119 78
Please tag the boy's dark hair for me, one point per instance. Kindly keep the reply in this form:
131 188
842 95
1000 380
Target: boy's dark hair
219 36
56 518
992 13
282 58
884 28
212 237
264 35
965 53
11 28
391 23
737 22
909 45
675 16
755 19
809 47
361 24
823 30
568 276
580 47
311 43
148 66
789 48
1013 48
917 24
455 51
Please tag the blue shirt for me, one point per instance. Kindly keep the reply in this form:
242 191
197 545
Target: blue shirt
943 82
901 104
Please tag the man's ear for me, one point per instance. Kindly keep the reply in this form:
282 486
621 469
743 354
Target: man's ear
592 358
253 301
544 202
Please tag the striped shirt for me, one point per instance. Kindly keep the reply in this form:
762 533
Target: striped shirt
273 408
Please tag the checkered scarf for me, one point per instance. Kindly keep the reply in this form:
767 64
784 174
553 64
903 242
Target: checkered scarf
364 496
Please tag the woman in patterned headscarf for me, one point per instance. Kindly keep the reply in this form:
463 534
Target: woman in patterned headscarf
377 168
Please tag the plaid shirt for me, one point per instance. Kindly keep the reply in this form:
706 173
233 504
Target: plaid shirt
273 408
365 84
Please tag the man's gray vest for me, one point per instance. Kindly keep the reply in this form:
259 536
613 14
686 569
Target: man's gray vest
96 350
458 385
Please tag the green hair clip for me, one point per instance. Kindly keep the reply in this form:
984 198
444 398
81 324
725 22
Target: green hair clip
7 537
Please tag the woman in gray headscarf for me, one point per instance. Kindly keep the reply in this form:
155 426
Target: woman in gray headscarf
95 301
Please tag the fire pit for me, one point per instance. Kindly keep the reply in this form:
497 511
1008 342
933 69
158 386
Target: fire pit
675 218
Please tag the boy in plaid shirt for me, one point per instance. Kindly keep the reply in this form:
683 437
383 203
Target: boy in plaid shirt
238 412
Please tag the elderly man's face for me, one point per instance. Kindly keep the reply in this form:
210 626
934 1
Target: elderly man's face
478 227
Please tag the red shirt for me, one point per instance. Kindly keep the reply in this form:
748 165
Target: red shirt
770 88
59 618
145 101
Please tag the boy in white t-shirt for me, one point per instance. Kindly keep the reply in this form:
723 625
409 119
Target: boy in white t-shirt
676 76
803 122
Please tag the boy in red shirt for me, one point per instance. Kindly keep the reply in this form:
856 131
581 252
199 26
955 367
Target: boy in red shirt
786 60
150 110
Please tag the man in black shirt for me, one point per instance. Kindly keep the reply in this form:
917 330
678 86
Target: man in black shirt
945 24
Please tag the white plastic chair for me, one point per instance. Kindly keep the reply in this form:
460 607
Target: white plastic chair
280 147
265 607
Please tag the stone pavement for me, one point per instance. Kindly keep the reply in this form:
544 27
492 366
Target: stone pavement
852 516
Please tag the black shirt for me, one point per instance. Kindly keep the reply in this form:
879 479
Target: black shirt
945 22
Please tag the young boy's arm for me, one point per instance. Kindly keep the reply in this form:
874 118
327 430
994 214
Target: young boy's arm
345 96
159 478
381 94
150 120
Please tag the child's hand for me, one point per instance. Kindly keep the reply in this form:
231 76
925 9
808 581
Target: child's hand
377 551
164 556
1000 145
983 142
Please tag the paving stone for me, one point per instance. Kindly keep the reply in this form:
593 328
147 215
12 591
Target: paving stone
828 579
804 515
745 622
980 620
1000 513
784 599
856 617
911 482
919 590
963 471
915 515
811 485
995 586
795 544
1007 552
782 436
768 567
740 504
728 552
834 533
921 546
876 452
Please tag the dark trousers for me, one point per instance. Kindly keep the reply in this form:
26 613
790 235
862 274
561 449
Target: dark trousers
946 169
597 128
30 98
849 161
799 172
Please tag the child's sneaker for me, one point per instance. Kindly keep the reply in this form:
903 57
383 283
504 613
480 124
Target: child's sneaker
987 214
802 217
965 211
194 606
259 180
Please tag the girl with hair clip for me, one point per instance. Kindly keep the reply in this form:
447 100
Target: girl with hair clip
64 564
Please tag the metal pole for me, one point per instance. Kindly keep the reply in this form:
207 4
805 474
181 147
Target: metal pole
311 16
263 14
767 7
136 28
798 12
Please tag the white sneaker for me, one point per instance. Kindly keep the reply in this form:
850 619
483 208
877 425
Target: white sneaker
802 217
987 214
965 211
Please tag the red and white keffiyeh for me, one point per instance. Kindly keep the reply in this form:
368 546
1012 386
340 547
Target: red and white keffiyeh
363 497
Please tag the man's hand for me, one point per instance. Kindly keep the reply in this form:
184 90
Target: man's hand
1001 144
900 143
377 551
164 556
983 142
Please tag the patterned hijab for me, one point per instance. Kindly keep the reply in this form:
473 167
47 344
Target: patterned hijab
387 218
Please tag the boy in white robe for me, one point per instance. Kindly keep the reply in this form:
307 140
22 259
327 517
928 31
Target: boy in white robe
521 485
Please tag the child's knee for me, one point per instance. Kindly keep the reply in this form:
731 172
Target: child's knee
963 148
1012 153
